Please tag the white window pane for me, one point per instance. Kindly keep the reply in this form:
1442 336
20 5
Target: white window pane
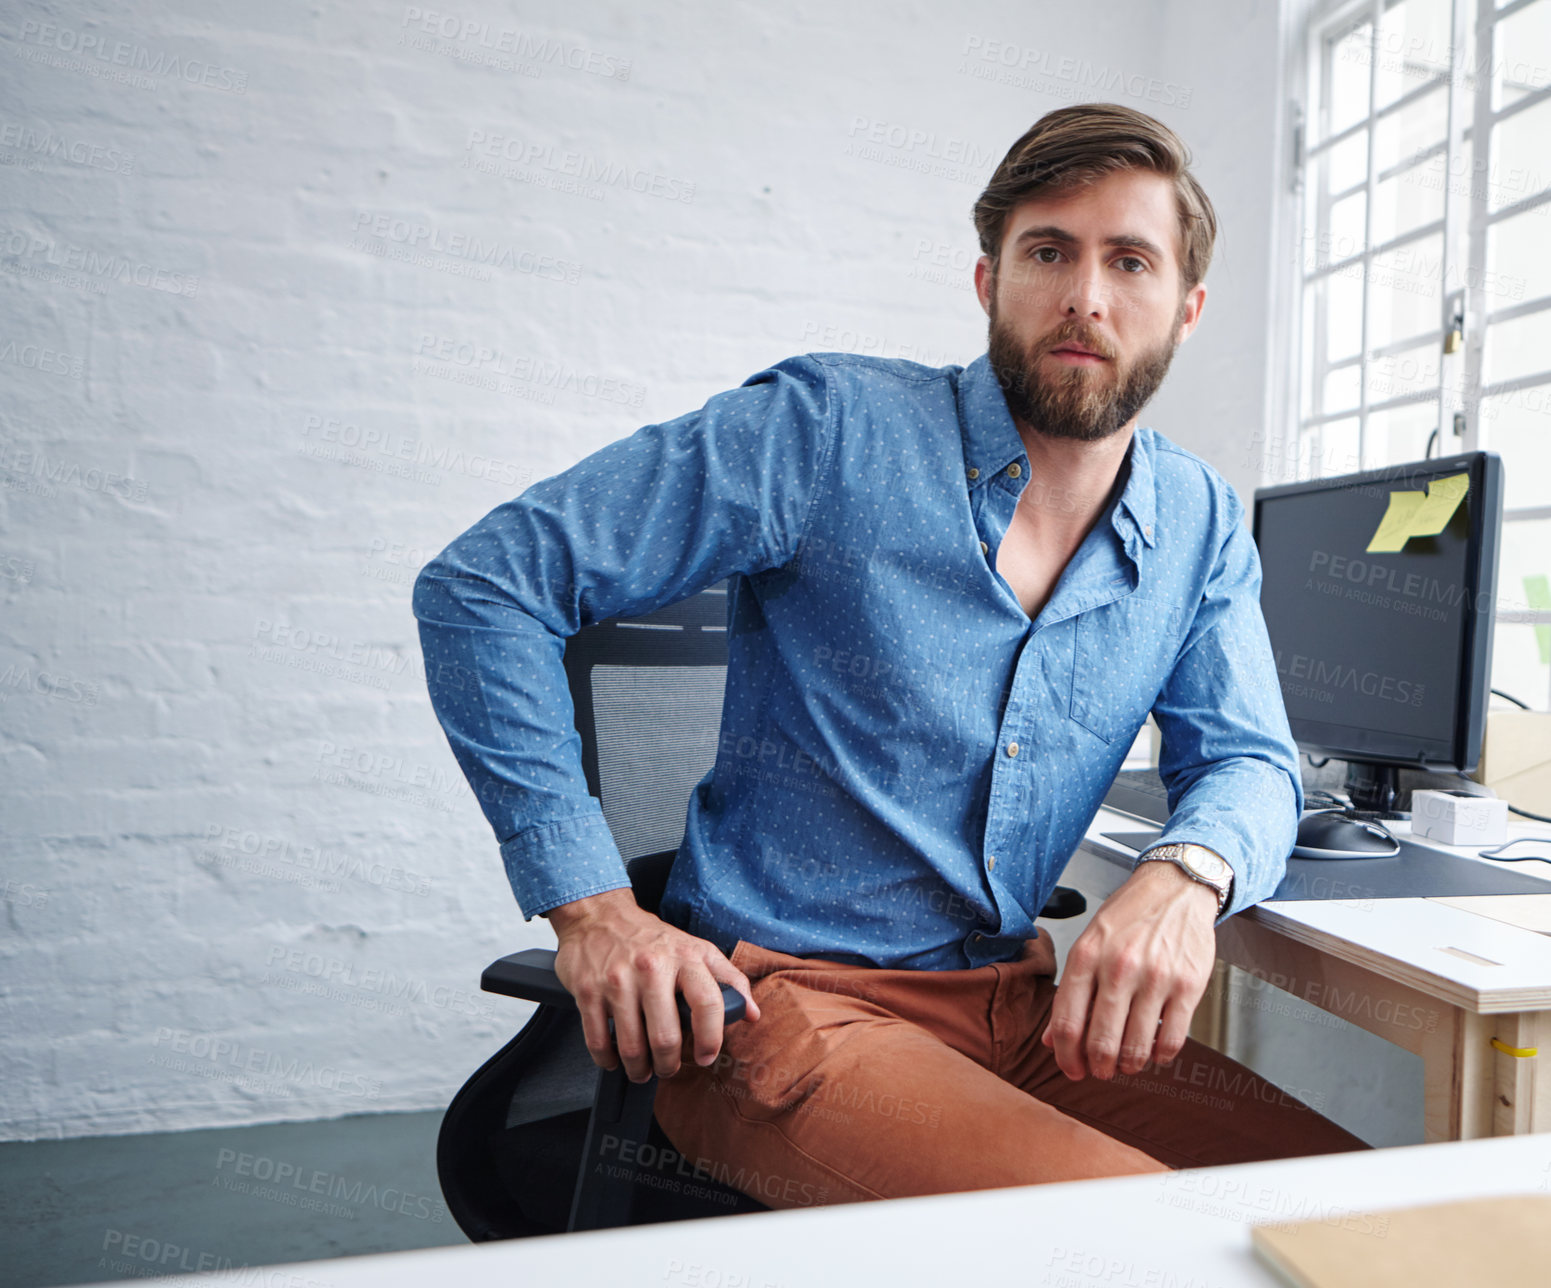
1338 451
1518 426
1342 388
1519 156
1518 651
1322 247
1518 348
1308 447
1396 374
1518 662
1440 172
1346 228
1525 552
1521 54
1347 91
1346 164
1405 291
1414 40
1518 259
1343 313
1406 201
1414 128
1401 434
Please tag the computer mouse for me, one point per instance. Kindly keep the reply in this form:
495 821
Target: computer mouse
1332 834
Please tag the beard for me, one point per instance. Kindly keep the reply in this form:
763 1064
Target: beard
1086 403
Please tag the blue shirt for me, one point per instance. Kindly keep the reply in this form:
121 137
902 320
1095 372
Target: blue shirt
906 760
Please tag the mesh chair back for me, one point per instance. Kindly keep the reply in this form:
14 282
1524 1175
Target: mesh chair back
648 697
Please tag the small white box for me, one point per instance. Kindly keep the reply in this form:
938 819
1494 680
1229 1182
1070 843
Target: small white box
1458 818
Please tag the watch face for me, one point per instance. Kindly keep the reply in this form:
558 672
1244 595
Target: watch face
1212 866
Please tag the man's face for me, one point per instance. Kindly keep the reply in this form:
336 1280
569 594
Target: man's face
1096 269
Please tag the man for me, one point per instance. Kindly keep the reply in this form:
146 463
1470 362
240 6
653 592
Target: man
955 595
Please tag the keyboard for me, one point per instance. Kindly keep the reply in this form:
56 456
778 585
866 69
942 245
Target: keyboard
1139 793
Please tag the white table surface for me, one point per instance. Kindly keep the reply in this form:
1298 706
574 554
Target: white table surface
1184 1228
1450 952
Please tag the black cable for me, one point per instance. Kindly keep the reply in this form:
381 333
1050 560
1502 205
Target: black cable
1432 440
1495 851
1508 697
1524 813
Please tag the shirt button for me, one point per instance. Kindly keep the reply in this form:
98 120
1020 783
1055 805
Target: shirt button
1148 529
984 549
1014 470
976 937
991 864
973 472
1012 749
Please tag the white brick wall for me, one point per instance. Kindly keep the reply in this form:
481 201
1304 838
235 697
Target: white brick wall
208 666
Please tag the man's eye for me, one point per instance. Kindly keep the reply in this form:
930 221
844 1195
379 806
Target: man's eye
1043 250
1132 259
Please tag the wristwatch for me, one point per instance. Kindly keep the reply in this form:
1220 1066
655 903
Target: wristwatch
1199 864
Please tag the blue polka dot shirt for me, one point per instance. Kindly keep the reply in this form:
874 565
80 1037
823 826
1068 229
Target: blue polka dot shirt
906 761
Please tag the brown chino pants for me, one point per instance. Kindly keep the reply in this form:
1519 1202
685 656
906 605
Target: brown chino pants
860 1083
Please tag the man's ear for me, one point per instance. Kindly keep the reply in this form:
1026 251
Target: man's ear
985 281
1190 312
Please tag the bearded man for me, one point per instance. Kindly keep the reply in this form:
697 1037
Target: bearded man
905 1031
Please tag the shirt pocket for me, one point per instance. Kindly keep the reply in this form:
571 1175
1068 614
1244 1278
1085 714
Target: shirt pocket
1122 654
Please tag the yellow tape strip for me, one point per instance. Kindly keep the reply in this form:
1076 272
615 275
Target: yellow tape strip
1523 1053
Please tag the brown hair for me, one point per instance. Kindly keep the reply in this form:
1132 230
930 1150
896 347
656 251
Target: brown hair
1072 147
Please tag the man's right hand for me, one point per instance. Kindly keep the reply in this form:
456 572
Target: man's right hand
621 962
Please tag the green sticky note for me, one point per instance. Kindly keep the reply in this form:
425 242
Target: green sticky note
1537 594
1418 514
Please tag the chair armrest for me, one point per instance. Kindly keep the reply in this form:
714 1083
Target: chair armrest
531 976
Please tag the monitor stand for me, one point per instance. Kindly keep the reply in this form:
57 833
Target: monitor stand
1374 789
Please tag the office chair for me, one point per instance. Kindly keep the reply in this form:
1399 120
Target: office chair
539 1140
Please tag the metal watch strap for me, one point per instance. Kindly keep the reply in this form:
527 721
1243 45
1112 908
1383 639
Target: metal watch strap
1174 852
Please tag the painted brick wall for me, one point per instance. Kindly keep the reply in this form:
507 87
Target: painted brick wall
293 295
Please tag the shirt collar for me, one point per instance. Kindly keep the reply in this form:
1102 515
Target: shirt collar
991 443
1140 497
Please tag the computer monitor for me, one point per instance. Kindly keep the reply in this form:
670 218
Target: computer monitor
1378 591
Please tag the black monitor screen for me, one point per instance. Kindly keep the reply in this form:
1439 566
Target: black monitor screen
1377 591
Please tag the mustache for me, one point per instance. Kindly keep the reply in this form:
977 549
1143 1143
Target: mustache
1069 333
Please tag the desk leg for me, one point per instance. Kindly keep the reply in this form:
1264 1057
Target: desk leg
1209 1024
1458 1068
1521 1085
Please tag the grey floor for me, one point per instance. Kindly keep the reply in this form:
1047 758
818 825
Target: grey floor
131 1207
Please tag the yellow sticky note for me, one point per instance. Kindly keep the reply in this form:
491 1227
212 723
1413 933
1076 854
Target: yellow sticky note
1395 526
1443 498
1418 514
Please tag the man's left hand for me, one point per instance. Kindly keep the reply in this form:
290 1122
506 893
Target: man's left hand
1145 958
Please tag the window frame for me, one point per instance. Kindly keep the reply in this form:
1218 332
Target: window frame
1297 394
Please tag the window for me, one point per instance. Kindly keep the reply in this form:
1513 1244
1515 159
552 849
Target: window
1424 265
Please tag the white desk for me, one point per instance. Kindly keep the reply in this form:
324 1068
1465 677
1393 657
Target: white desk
1438 977
1186 1228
